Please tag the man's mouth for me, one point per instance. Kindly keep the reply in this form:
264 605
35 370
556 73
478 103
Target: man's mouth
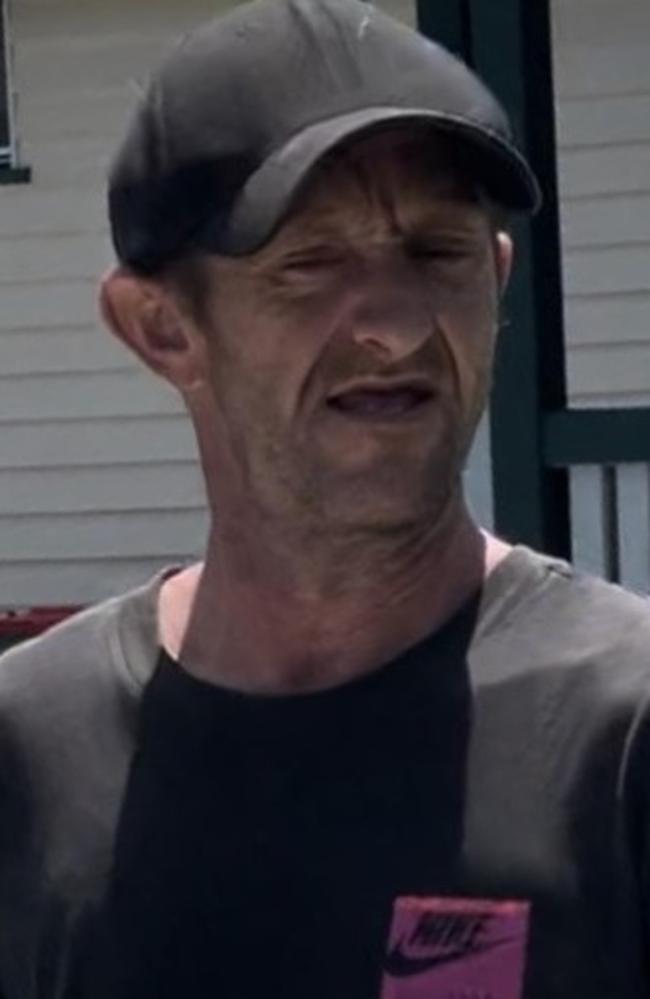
381 402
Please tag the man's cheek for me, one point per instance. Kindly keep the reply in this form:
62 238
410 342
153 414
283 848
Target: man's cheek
471 358
456 352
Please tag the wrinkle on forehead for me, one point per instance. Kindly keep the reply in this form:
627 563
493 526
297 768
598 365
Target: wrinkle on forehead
384 187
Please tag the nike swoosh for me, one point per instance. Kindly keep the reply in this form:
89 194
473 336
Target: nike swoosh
400 965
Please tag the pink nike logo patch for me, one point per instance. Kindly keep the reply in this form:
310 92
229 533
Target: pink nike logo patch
454 948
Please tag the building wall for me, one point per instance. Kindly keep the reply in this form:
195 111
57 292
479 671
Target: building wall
99 483
98 479
602 67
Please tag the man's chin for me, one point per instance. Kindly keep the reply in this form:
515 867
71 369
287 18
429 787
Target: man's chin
394 507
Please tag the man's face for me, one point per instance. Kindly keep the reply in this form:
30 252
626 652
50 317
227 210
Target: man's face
350 358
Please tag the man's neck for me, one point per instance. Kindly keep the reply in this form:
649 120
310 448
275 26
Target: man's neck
275 629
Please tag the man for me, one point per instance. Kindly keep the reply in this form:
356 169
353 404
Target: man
364 749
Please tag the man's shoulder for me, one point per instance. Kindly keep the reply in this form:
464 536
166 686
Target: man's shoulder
527 578
544 614
112 643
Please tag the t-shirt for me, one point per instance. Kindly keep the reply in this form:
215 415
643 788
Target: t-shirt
164 837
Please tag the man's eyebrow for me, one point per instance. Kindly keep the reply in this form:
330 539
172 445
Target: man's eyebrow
298 243
316 236
445 220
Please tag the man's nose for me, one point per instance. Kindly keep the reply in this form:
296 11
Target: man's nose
393 313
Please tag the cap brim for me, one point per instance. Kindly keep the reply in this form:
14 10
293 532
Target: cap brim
269 192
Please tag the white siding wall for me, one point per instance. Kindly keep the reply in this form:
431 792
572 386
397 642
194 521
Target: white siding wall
98 479
603 88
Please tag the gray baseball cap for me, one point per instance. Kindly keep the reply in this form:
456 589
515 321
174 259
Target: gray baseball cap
244 107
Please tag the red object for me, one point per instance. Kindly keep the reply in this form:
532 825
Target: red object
32 621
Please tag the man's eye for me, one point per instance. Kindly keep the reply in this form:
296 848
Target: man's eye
312 263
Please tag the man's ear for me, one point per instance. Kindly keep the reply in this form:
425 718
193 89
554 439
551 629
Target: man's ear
504 252
143 314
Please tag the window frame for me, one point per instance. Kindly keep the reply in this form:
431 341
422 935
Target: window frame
11 171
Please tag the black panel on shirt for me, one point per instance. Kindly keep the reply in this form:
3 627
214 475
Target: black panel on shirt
263 839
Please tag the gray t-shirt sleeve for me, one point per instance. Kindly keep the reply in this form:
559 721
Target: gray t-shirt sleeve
68 702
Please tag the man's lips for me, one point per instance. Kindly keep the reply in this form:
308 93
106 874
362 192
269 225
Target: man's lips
381 400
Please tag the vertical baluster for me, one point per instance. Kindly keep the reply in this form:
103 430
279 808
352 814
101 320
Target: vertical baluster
588 538
633 484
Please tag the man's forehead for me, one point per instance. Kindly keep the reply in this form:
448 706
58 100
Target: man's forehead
401 172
